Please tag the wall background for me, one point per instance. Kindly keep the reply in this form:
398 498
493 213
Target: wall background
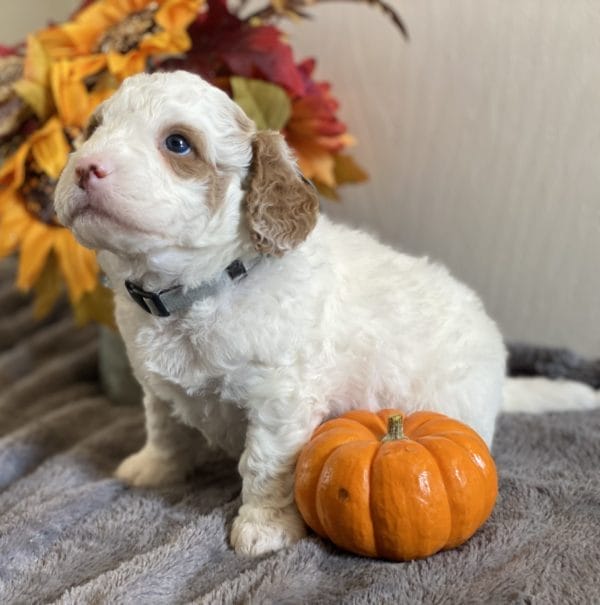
482 138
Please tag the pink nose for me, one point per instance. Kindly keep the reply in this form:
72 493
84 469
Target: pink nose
89 170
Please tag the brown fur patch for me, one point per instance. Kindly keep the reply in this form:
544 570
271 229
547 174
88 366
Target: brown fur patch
193 165
281 208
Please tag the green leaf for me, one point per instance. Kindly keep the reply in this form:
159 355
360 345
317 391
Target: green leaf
267 104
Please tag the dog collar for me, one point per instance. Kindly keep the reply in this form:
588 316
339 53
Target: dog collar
165 302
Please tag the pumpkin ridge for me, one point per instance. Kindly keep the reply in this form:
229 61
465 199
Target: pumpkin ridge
335 538
373 518
490 480
417 456
429 426
449 489
338 423
305 501
366 420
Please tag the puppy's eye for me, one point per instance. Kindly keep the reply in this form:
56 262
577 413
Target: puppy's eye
178 144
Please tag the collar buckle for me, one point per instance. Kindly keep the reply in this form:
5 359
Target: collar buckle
149 301
236 270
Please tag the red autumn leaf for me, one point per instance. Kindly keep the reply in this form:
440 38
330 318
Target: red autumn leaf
314 131
224 45
8 51
314 121
314 114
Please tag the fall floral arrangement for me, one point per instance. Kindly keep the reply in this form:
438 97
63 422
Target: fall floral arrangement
50 84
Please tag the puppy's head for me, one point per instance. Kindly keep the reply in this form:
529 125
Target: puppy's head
171 161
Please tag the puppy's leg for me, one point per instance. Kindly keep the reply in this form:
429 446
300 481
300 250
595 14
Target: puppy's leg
171 451
268 518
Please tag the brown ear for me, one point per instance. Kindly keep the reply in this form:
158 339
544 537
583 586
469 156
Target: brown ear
281 207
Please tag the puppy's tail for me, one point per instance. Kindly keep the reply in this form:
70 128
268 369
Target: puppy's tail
537 395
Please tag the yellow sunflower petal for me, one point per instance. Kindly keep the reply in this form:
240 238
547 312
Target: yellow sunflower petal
177 14
126 65
57 42
33 87
71 96
14 224
50 148
82 35
37 61
12 172
35 95
35 247
77 264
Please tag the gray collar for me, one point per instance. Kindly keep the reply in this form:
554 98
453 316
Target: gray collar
165 302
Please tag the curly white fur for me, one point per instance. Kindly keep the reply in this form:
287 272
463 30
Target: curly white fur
339 322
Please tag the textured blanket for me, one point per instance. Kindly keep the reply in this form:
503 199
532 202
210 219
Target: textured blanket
70 533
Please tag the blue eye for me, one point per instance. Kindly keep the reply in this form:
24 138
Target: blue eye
177 144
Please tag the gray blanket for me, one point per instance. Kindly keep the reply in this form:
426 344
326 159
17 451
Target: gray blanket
70 533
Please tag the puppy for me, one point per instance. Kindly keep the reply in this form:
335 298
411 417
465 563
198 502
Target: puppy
247 317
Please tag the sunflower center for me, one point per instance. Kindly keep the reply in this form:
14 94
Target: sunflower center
38 193
125 35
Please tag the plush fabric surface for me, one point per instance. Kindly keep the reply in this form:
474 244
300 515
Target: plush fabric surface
69 533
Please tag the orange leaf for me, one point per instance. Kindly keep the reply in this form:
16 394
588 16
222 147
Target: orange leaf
348 171
328 192
316 163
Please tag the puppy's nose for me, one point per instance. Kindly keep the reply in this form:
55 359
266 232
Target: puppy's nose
89 170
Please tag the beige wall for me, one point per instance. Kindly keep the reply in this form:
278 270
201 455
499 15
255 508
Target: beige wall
18 17
482 137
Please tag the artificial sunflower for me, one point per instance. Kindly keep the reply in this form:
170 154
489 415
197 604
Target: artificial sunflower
127 32
28 222
78 86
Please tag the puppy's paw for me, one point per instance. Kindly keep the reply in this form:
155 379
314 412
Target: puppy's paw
258 530
151 468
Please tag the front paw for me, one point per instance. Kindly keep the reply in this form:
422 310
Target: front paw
257 530
150 468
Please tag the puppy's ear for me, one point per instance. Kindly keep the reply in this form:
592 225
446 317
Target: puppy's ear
281 206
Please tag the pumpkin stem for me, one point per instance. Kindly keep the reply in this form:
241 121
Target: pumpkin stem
395 428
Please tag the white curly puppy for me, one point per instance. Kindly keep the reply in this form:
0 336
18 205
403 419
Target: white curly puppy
248 318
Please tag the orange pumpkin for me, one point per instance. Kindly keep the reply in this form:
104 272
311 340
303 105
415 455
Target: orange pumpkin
393 486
